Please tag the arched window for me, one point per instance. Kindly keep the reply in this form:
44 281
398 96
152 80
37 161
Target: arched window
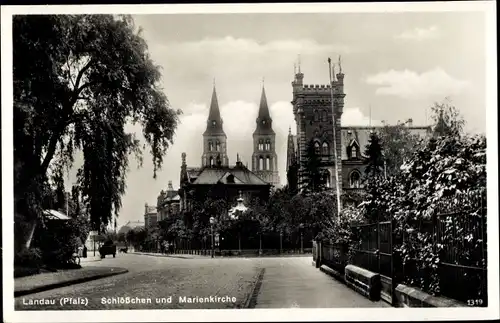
210 146
268 144
211 161
317 149
261 163
355 179
326 178
217 145
324 115
324 149
268 163
261 145
316 115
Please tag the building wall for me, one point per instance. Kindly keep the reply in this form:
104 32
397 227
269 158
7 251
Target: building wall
312 108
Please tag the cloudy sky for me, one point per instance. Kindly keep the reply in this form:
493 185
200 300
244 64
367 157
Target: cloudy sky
397 63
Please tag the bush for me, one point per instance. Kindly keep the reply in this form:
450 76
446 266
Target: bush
58 240
31 258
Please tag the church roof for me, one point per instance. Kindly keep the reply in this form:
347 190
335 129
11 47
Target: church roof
264 121
237 175
361 136
214 121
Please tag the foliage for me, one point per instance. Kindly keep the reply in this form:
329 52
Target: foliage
58 240
292 176
374 175
78 80
28 258
399 144
448 173
447 119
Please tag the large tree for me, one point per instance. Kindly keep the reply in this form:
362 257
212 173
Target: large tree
312 177
447 119
374 175
399 145
78 81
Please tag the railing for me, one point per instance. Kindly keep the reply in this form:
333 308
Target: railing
458 238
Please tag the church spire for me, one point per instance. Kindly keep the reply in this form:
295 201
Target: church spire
264 121
214 121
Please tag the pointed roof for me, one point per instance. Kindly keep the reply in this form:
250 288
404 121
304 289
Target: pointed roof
214 121
263 108
264 121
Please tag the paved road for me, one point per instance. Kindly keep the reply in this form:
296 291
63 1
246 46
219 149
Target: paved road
275 283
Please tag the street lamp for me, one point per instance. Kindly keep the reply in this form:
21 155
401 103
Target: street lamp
281 241
212 222
301 226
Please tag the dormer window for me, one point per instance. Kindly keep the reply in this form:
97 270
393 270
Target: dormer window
214 123
353 150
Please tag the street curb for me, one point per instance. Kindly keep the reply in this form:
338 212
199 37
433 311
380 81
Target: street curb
251 300
160 255
332 273
68 283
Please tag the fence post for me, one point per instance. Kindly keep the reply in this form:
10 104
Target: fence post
319 254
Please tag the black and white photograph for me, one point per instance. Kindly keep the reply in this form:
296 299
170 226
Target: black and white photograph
329 160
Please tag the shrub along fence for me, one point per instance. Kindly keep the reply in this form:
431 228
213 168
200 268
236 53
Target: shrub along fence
445 255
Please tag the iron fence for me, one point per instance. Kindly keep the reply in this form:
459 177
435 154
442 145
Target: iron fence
457 236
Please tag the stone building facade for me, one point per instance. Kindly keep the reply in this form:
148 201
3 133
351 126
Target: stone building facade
316 120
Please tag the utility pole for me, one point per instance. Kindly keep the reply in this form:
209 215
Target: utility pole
337 186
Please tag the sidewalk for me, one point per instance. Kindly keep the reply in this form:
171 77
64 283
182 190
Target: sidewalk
42 282
293 282
90 259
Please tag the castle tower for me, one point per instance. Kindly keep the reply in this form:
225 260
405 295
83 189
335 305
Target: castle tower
314 118
264 157
214 138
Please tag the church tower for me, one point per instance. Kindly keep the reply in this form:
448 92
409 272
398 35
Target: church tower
264 157
214 138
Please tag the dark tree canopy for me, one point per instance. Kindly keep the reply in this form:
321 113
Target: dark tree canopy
78 81
312 177
374 157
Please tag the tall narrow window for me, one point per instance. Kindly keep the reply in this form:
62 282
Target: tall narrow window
317 150
268 163
316 115
261 145
211 161
210 146
217 145
325 151
324 115
261 163
268 144
355 152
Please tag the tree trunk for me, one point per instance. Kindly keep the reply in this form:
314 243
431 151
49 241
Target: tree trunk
30 233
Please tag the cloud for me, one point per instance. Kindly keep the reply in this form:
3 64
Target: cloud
231 58
409 84
419 34
355 117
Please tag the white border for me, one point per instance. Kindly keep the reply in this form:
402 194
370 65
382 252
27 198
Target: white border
385 314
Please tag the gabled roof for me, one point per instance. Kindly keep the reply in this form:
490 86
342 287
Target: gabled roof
361 135
242 176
